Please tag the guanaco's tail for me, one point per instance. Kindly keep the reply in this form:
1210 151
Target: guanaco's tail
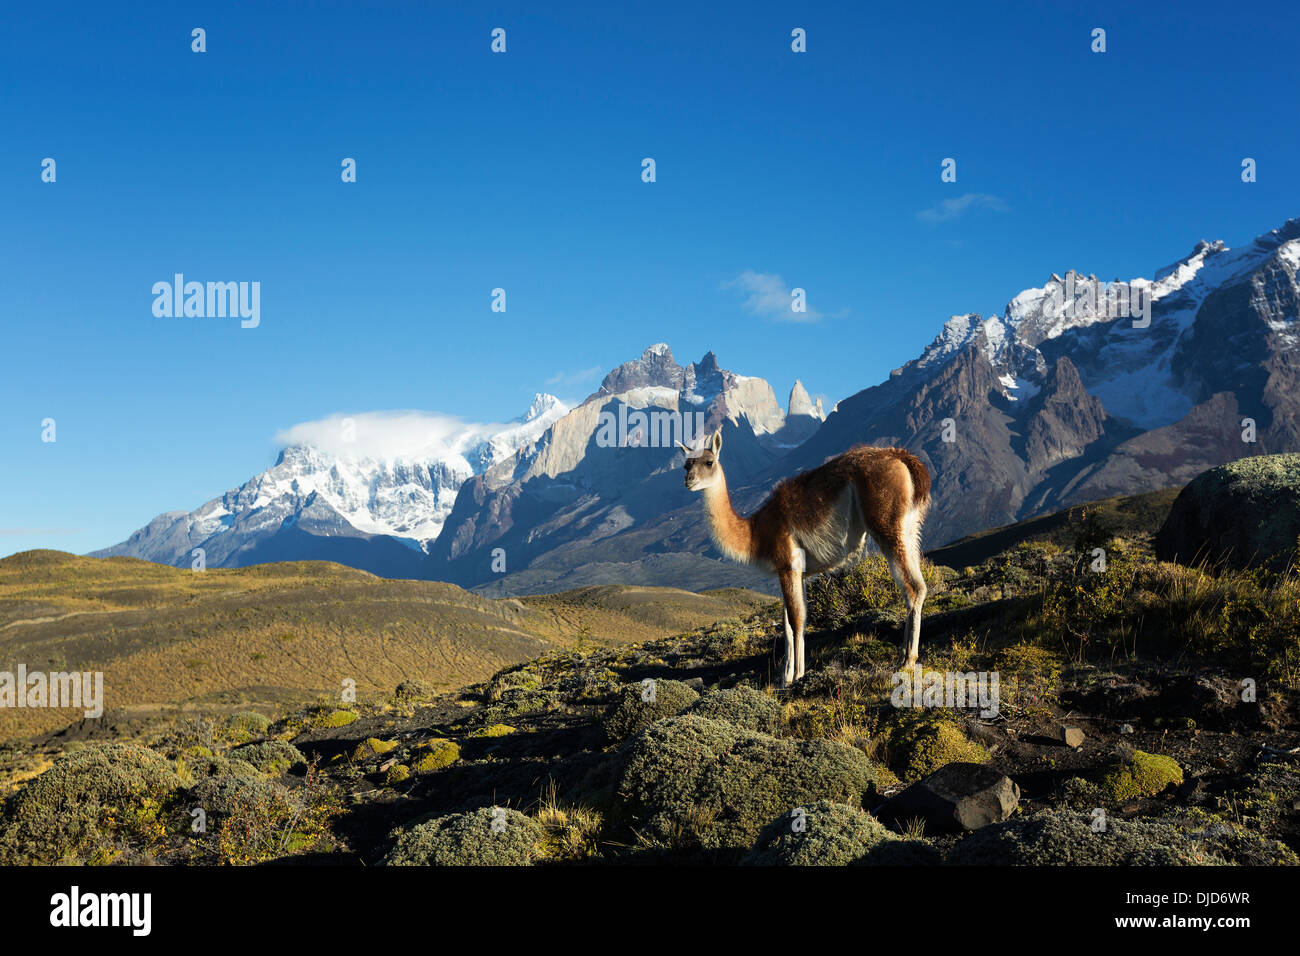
920 480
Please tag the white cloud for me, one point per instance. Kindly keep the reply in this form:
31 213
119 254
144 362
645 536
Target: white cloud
399 434
951 209
767 295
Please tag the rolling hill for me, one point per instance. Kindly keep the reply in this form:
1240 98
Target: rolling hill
168 639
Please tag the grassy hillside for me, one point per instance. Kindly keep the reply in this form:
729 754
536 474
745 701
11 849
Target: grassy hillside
1132 515
1121 692
166 637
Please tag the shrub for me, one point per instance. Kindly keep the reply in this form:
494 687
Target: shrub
220 765
244 726
741 706
632 711
1066 838
866 586
73 811
490 836
832 834
270 756
413 689
694 781
248 820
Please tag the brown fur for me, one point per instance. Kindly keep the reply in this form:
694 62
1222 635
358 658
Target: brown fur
816 520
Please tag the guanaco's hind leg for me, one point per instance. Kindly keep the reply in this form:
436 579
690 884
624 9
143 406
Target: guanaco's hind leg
904 557
795 619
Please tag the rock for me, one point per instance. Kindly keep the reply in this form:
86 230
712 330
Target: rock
956 797
922 742
434 755
1070 736
1126 728
1139 774
1242 514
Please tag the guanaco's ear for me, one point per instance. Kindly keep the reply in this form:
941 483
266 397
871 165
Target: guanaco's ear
717 441
685 449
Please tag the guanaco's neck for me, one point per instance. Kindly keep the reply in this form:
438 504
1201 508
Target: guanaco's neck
733 534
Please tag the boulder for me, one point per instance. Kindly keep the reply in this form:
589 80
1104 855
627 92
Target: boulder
1070 736
1242 514
956 797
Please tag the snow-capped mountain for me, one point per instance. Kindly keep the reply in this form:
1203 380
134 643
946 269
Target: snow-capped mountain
1064 398
582 503
1078 389
388 480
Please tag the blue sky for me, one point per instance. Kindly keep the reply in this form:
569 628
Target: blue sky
523 171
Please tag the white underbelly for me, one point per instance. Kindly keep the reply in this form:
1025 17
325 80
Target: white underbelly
842 535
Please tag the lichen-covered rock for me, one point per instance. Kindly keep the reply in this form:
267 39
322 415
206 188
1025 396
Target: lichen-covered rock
270 756
1138 774
742 706
920 743
640 705
70 812
490 836
336 718
434 755
821 834
372 747
1241 514
494 730
696 781
1064 837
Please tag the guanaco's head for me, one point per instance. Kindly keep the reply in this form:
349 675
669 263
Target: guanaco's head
703 469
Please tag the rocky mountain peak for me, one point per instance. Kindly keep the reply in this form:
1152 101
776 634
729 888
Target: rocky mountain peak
655 368
801 403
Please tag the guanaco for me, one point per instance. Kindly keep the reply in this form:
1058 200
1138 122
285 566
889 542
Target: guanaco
817 521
